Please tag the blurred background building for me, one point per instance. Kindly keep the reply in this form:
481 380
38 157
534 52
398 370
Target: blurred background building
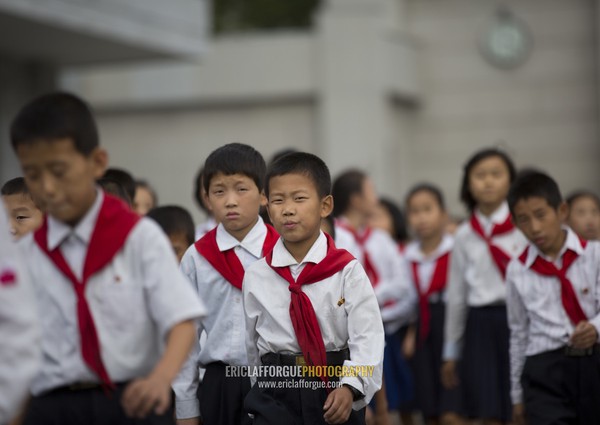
404 89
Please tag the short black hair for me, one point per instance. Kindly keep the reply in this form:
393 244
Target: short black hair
14 186
235 158
280 153
198 189
348 183
56 116
115 188
465 194
303 163
124 178
430 188
174 219
400 234
534 184
573 197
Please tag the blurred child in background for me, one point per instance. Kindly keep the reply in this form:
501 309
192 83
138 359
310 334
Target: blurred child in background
23 213
584 214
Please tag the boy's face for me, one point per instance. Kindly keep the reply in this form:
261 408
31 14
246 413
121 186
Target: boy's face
541 223
62 179
584 218
235 201
296 210
143 201
180 244
489 181
24 216
367 201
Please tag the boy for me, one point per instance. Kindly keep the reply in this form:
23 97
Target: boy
233 181
178 225
24 215
20 350
106 281
553 304
308 302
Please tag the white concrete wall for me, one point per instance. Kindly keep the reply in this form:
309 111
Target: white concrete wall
545 112
167 147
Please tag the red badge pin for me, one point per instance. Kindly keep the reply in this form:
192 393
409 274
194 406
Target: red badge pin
8 277
585 291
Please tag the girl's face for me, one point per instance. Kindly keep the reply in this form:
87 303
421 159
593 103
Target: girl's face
381 219
584 218
425 215
489 181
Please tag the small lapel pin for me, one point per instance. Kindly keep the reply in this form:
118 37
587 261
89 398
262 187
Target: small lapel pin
585 291
8 277
118 279
341 301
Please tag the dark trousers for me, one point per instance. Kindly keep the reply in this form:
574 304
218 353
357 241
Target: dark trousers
85 407
222 397
562 390
291 406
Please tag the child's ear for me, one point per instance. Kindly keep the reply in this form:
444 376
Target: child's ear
563 212
263 199
99 161
326 206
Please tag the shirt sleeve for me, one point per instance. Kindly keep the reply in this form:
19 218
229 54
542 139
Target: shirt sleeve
170 296
251 313
366 339
19 330
518 323
185 385
396 295
456 306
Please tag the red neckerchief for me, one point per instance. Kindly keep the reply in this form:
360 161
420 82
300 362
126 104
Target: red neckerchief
361 240
115 222
567 293
500 257
438 283
302 313
227 262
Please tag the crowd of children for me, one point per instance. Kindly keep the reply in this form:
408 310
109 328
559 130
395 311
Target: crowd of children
118 310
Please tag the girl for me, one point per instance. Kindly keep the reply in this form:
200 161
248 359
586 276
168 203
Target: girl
476 330
428 260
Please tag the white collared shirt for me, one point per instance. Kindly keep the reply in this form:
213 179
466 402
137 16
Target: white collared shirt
135 300
224 323
19 328
394 292
344 239
536 316
354 323
426 264
475 280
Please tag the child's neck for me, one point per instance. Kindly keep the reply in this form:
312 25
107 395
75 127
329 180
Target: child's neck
239 235
298 250
356 219
487 209
553 251
430 244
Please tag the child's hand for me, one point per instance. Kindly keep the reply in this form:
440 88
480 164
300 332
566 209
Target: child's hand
338 406
449 376
519 414
409 343
584 336
147 395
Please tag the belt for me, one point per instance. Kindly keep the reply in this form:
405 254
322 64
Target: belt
81 386
334 358
581 352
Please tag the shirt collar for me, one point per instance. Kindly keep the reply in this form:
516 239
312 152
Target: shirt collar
497 217
253 242
572 242
413 252
316 253
59 231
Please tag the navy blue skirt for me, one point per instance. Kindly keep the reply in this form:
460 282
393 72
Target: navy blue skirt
397 374
432 399
484 368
